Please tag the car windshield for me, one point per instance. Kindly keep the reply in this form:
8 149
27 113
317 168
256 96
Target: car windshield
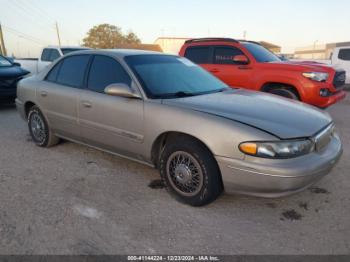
4 62
166 76
70 50
260 53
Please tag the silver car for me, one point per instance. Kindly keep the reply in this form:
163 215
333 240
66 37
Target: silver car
166 112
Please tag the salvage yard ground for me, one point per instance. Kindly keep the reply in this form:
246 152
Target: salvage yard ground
71 199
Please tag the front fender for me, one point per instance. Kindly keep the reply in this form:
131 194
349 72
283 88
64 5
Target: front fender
221 136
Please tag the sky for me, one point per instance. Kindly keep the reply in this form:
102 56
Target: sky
29 25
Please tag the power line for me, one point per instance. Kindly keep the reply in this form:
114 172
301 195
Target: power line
19 8
42 11
25 36
38 12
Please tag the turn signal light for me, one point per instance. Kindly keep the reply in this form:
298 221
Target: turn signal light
249 148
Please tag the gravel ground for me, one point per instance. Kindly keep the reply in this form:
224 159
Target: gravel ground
71 199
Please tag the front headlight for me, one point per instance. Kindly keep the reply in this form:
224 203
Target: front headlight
278 149
317 76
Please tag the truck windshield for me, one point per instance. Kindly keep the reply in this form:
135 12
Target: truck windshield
4 62
166 76
260 53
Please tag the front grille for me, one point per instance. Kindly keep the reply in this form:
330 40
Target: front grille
323 138
339 79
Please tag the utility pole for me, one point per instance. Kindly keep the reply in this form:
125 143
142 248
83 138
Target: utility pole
313 52
244 34
58 35
2 43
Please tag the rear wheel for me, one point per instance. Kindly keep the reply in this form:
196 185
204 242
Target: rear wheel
284 92
39 129
190 172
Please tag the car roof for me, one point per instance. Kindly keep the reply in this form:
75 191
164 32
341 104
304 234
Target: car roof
120 53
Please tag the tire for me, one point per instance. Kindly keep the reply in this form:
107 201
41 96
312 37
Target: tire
39 129
190 172
284 93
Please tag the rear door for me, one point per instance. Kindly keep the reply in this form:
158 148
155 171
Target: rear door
109 122
225 68
201 55
58 95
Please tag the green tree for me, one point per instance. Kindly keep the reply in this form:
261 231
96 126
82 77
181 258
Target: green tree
109 36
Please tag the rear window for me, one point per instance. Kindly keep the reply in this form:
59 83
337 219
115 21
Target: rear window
70 50
54 55
199 54
45 56
72 70
344 54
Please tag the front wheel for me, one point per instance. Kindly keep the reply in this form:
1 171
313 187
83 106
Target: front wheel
39 129
190 172
284 93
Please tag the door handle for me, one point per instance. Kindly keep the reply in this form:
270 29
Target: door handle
215 70
43 93
87 104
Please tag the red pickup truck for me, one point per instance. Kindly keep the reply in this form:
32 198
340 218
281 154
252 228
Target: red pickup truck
248 64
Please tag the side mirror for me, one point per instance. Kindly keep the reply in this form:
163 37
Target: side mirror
121 90
241 59
16 64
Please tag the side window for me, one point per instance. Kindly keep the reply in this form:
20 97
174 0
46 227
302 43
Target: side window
72 70
105 71
199 54
54 55
344 54
224 55
52 75
45 56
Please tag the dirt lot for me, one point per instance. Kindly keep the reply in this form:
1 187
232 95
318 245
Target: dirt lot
71 199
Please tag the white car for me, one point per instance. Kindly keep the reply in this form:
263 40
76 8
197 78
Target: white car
341 59
48 55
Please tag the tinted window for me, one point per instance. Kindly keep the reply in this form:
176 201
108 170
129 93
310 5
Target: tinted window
199 54
45 56
72 70
165 76
344 54
70 50
260 53
105 71
54 55
52 76
225 55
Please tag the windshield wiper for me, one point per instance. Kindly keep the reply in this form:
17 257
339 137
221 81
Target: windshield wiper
183 94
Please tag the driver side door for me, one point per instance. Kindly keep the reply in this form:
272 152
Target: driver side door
225 68
108 122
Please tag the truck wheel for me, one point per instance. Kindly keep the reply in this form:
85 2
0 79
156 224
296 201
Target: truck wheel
39 129
285 93
190 172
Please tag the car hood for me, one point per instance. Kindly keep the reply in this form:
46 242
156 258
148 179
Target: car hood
281 117
12 72
303 66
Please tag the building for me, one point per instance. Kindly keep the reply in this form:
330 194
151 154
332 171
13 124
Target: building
272 47
148 47
317 51
172 45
